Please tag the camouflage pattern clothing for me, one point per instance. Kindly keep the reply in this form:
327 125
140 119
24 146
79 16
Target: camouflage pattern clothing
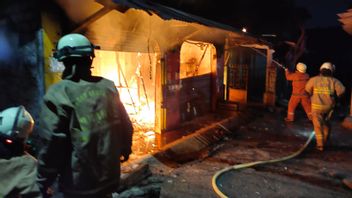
18 177
85 129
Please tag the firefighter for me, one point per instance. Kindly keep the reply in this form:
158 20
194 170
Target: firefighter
299 95
84 127
323 89
18 169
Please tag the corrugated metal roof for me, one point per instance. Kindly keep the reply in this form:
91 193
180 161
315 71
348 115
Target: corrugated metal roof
168 13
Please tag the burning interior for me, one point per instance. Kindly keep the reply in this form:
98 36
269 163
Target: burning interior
168 68
134 74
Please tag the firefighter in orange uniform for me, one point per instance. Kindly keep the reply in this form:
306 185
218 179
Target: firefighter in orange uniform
323 89
299 95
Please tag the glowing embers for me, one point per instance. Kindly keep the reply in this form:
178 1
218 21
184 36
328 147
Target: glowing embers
143 142
134 76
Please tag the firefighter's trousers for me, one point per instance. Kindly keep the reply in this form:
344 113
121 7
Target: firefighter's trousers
322 127
293 103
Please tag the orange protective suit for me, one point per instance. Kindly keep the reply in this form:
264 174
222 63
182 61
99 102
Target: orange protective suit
323 91
298 95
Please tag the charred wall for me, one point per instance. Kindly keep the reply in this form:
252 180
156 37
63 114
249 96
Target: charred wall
195 96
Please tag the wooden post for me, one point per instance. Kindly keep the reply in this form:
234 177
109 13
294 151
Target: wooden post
270 80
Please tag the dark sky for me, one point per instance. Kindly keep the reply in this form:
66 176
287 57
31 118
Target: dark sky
324 12
239 13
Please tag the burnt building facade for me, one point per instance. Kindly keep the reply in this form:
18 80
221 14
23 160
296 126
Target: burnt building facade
170 67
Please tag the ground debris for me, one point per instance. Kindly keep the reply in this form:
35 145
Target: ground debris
138 182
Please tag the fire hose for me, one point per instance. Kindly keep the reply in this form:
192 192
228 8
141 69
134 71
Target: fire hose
250 164
276 62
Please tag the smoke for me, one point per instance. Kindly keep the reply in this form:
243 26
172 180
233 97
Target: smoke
136 30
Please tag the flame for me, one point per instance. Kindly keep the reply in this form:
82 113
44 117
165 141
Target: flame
133 75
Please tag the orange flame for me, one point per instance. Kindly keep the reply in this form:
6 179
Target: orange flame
133 75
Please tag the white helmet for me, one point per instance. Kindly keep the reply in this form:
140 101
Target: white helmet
73 45
328 65
301 67
16 122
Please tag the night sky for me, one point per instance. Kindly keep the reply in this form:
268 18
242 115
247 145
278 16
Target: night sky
265 17
324 12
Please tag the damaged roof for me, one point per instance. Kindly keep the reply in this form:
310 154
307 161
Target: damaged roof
168 13
138 25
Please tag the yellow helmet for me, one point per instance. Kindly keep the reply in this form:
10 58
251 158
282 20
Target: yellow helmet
16 122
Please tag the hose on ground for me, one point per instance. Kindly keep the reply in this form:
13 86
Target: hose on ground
246 165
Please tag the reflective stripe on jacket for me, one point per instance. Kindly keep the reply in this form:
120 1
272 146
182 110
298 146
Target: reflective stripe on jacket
299 81
323 90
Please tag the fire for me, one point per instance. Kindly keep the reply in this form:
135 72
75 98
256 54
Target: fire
134 77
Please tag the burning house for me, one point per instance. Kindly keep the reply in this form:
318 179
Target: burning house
169 66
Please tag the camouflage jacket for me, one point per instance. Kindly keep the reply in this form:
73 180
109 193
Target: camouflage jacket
84 128
18 177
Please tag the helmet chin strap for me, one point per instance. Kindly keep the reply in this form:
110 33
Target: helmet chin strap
69 72
76 71
20 108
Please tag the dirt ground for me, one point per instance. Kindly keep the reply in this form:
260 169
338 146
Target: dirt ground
267 136
312 174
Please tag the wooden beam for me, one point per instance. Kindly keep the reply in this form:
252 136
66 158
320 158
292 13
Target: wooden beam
180 41
97 15
108 6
